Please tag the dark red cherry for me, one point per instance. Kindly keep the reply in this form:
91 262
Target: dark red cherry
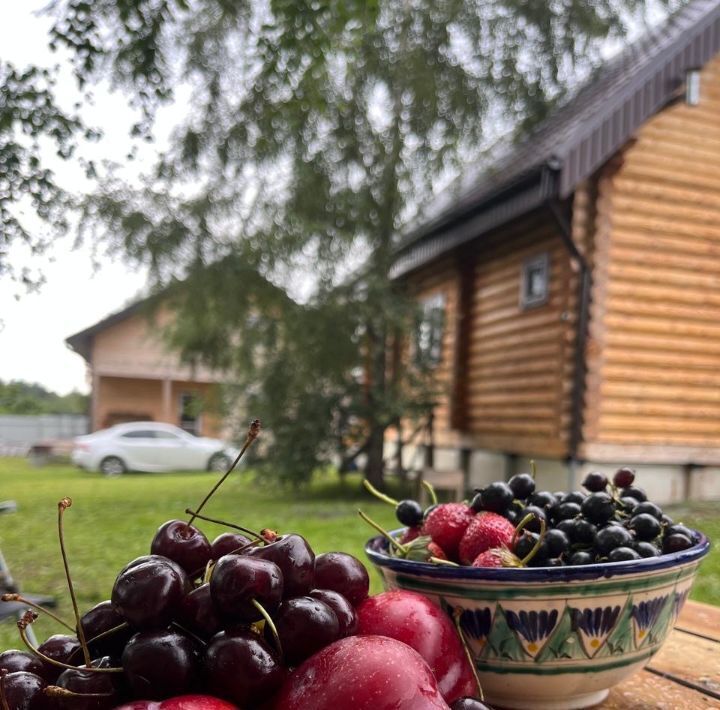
237 580
183 543
84 682
242 668
14 660
24 691
59 647
293 556
344 574
227 543
187 583
148 595
100 619
305 625
197 613
346 616
160 664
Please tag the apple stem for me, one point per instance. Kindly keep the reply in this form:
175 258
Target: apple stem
3 699
253 433
55 691
400 547
197 515
378 494
27 619
270 623
63 505
457 612
431 491
33 605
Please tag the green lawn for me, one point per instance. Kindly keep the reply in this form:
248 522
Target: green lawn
113 520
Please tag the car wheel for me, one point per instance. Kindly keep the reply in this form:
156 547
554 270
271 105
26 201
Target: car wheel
112 466
219 463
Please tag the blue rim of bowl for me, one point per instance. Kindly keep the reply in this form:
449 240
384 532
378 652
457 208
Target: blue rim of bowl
376 550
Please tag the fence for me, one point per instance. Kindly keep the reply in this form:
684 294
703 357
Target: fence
19 432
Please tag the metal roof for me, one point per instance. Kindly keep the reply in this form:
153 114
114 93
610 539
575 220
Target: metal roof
576 140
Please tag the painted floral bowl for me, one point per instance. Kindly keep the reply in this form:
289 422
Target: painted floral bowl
554 638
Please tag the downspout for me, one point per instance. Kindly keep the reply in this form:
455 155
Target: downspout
579 370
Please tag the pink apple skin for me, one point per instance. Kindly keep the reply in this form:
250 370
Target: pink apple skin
416 621
362 673
181 702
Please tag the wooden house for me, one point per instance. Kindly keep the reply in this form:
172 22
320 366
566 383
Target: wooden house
578 281
135 377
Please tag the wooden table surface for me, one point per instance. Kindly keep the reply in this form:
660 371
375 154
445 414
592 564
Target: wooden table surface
685 674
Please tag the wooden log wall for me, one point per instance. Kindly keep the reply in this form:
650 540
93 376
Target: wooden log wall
654 352
520 360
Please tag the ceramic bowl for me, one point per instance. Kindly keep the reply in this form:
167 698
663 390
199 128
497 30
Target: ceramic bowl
554 638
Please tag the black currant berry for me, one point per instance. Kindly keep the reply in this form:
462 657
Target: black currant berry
676 543
595 482
646 526
581 557
622 554
624 477
497 497
557 542
611 537
598 507
409 513
574 497
646 549
634 492
650 508
542 499
565 511
522 485
538 515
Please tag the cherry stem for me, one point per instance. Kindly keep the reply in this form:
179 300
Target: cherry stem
457 612
55 691
440 561
109 632
378 494
532 469
536 546
3 699
431 491
384 533
63 505
26 620
197 515
253 433
33 605
270 623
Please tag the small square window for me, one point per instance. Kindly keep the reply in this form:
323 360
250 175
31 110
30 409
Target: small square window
429 331
534 282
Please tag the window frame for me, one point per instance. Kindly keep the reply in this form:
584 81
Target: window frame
529 265
433 315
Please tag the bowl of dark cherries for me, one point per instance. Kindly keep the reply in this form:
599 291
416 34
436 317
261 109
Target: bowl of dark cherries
559 595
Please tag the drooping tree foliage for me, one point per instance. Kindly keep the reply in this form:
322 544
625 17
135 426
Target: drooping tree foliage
313 131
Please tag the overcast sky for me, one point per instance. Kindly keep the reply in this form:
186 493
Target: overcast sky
33 329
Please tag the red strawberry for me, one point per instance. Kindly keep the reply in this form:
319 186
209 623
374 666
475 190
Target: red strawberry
487 530
410 534
446 525
436 551
489 558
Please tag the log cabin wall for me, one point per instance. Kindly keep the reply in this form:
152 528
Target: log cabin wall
653 386
519 362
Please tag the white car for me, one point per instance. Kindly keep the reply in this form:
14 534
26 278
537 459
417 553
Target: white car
151 447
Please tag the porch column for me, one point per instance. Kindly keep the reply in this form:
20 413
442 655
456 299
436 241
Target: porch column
94 398
167 400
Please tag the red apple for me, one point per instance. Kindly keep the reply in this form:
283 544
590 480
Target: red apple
416 621
180 702
362 673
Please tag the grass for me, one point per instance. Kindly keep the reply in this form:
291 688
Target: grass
112 521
